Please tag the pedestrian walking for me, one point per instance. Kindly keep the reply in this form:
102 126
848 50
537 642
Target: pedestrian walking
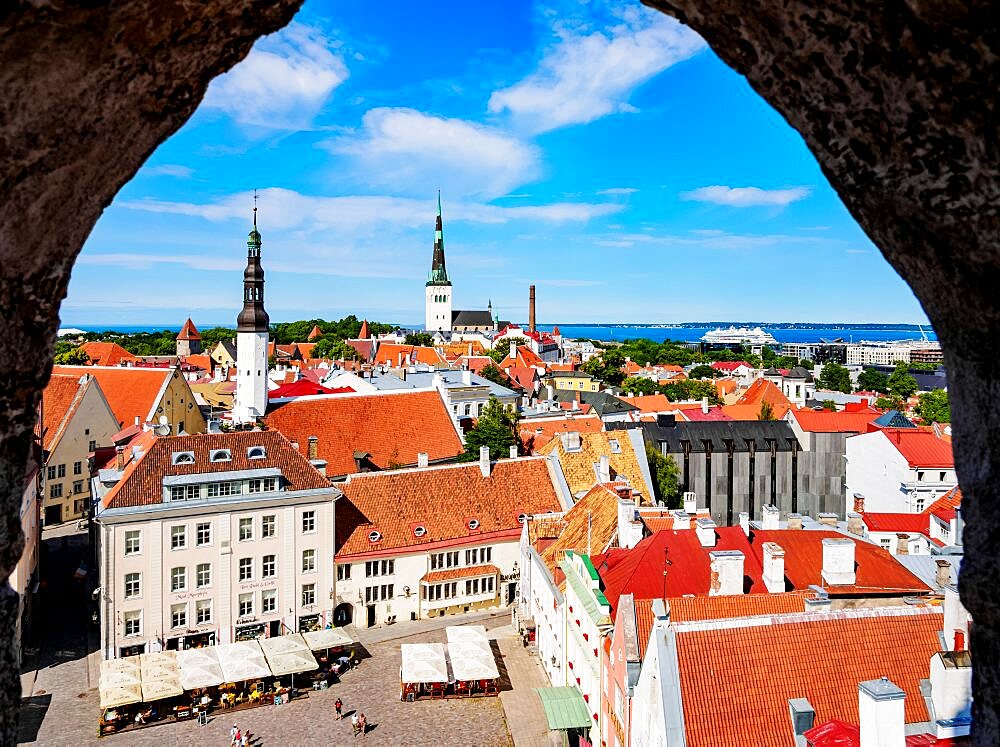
338 704
245 739
237 737
354 723
234 734
363 725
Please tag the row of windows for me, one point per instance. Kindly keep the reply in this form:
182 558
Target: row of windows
179 614
475 556
59 470
203 532
479 586
433 592
222 489
56 489
378 568
215 455
378 593
440 299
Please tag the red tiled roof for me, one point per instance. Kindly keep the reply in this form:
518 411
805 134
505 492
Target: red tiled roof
536 433
650 403
685 609
945 505
189 331
303 387
730 366
364 348
391 428
389 354
695 414
451 574
736 680
877 572
762 390
826 421
921 448
59 401
644 620
364 334
837 733
878 522
131 392
524 377
314 333
106 353
203 362
142 481
442 500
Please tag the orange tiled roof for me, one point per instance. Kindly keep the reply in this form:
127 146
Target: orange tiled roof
106 353
762 390
305 348
314 333
651 403
389 354
451 574
827 421
538 432
526 358
736 680
578 466
725 386
189 331
59 400
443 500
752 411
600 507
131 392
200 361
142 480
391 428
947 502
683 609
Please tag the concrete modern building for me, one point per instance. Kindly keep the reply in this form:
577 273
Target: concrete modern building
212 539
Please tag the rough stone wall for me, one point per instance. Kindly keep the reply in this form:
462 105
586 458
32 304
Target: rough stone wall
89 90
898 102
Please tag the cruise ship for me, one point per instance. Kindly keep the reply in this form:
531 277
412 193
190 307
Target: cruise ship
738 336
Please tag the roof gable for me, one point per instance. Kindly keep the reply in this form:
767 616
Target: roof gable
106 353
131 392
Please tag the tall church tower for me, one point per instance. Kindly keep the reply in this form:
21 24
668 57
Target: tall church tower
437 298
251 337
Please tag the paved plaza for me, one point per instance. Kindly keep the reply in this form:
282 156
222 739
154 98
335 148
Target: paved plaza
67 710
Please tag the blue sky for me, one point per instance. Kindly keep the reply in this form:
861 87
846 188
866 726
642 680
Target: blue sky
596 149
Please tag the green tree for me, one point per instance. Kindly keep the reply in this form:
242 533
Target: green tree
212 337
73 357
829 404
703 371
835 378
423 339
497 428
934 407
871 380
501 348
688 390
331 347
666 477
634 385
889 403
901 384
607 366
766 411
493 373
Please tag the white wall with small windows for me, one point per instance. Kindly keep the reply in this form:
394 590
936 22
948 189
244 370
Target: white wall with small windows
259 565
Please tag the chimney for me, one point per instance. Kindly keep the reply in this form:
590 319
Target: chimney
820 602
704 405
571 441
531 308
550 391
769 517
803 717
745 522
313 448
859 503
690 503
902 543
119 458
484 460
682 520
956 620
881 712
794 521
774 567
727 572
959 527
706 532
827 519
838 561
422 460
943 575
604 469
320 465
855 524
513 451
513 349
467 377
951 693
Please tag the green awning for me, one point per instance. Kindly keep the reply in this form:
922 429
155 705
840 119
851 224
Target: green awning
564 708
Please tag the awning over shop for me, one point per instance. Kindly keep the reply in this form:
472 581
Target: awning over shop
327 638
564 707
161 687
115 696
288 654
242 661
423 663
161 675
120 682
200 668
470 653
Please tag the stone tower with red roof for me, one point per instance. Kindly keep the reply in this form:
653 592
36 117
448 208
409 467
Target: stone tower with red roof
189 340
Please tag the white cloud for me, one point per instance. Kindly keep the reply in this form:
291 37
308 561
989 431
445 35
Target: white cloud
282 83
169 169
585 76
410 151
712 239
135 261
618 191
746 196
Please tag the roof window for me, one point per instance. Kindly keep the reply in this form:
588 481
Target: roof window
521 518
418 531
473 524
616 448
256 452
182 457
220 455
374 536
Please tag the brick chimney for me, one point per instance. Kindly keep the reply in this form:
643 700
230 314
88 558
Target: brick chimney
769 517
859 503
881 712
531 308
690 503
422 460
794 521
313 448
902 543
484 460
942 576
838 561
119 458
855 524
829 519
706 532
774 567
727 572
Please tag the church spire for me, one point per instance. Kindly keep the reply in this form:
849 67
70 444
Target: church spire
253 317
439 273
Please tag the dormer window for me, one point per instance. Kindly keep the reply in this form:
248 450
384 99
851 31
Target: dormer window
220 455
616 448
182 457
375 536
418 531
256 452
473 524
521 518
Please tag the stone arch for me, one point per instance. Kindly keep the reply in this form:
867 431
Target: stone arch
896 101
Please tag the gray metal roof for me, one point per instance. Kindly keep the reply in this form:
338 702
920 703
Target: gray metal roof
739 432
471 319
924 567
602 402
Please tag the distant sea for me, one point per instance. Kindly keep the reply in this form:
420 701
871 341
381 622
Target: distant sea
658 332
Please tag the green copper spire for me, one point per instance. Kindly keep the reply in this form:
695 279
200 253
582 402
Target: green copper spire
439 273
253 238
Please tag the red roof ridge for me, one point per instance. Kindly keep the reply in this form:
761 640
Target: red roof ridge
189 331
